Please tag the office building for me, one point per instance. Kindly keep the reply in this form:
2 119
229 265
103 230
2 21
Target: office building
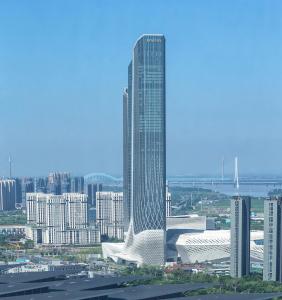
7 194
60 219
91 189
145 241
109 209
146 238
272 267
240 236
77 185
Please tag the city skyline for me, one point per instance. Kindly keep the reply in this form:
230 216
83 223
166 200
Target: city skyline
223 89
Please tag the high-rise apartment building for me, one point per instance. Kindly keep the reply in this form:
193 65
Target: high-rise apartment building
91 189
109 209
272 266
240 236
7 194
110 213
60 219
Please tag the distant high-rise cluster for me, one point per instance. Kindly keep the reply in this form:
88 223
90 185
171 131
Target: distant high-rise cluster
59 183
60 219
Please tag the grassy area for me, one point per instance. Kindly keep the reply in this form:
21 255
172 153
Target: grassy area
185 200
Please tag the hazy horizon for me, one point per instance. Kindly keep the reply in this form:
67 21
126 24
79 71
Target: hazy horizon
63 68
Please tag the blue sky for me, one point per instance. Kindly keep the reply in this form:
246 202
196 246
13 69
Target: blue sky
63 66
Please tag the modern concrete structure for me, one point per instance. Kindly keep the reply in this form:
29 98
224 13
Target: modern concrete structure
211 245
272 267
7 194
60 219
240 236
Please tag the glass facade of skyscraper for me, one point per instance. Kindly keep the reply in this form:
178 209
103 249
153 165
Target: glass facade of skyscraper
149 134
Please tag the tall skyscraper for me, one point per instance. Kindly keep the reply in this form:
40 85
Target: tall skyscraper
272 266
127 138
240 236
7 194
146 237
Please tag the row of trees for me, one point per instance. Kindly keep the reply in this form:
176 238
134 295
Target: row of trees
221 284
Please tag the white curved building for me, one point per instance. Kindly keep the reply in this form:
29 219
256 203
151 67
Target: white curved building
212 245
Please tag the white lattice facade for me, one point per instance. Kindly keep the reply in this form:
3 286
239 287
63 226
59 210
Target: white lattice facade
60 219
212 245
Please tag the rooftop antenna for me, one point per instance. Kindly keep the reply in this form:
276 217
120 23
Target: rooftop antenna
236 174
10 167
